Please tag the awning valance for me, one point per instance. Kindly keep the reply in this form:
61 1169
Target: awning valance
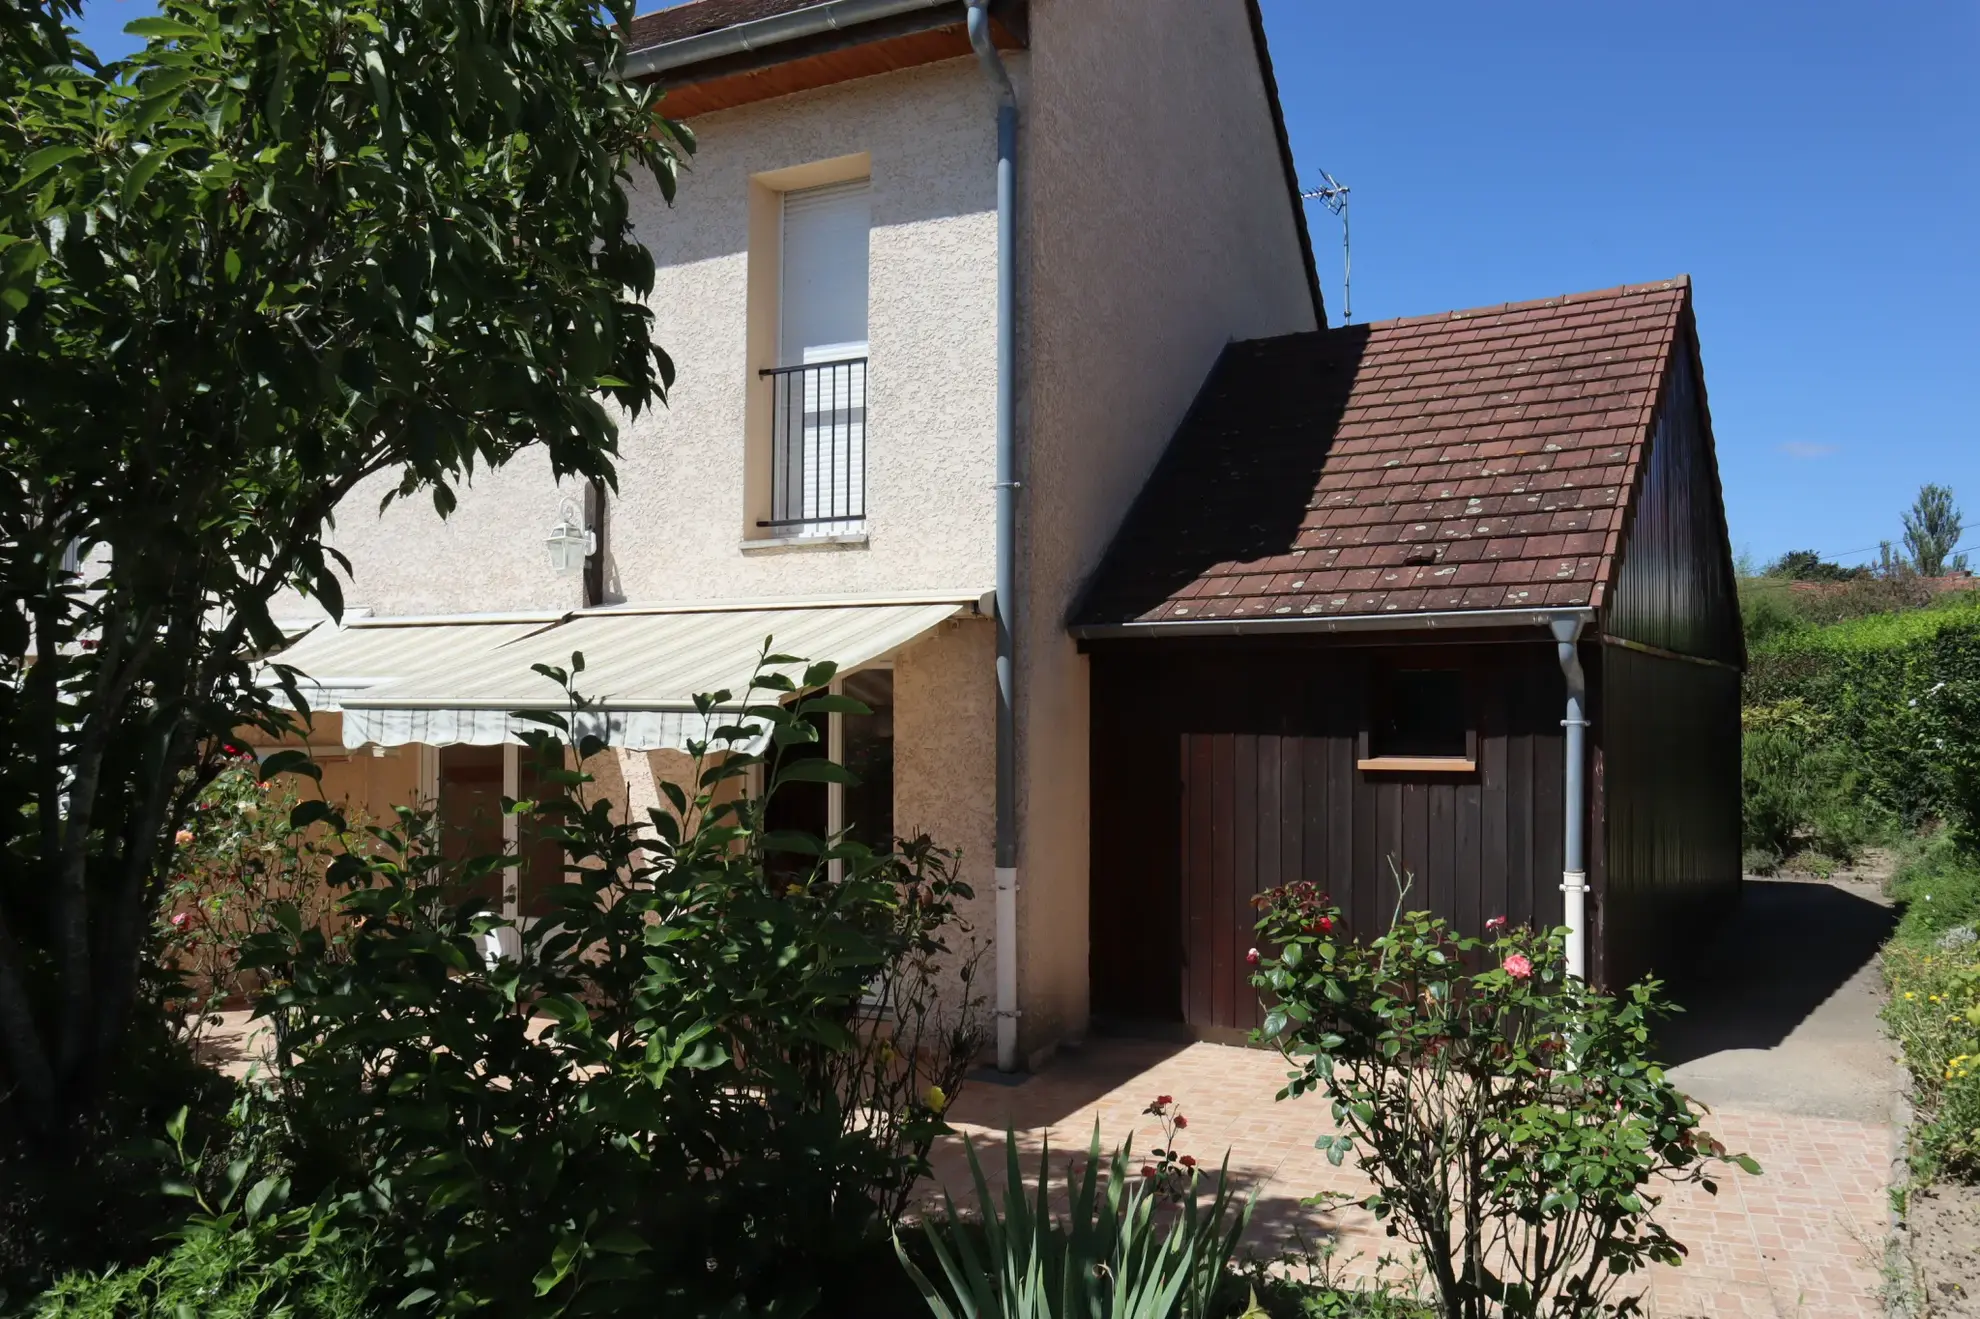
446 682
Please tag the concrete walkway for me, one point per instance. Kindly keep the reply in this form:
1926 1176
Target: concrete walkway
1780 1039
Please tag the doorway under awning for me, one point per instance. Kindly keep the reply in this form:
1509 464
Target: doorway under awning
446 682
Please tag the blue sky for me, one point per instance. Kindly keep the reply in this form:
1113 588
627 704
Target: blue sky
1815 167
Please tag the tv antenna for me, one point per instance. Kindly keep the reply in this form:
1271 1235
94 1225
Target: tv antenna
1334 194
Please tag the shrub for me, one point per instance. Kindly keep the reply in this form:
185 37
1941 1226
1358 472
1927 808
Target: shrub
1938 887
243 1253
1767 610
239 862
1508 1116
1900 694
698 1087
1110 1255
1798 785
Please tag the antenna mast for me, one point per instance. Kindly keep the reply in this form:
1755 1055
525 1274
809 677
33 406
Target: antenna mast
1335 195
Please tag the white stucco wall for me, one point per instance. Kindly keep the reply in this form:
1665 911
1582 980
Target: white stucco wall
488 556
1157 228
681 517
675 532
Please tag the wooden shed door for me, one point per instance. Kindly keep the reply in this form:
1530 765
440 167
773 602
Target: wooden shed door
1230 845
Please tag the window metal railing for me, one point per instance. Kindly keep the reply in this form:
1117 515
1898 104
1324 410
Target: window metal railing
818 448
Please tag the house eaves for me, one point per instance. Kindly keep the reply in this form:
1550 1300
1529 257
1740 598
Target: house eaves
719 54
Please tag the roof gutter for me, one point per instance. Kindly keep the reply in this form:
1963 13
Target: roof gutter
1451 620
773 31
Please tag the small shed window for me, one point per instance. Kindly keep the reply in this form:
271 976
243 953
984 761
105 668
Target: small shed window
1420 720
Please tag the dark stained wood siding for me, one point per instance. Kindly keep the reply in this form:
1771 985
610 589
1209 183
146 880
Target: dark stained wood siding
1674 586
1220 769
1668 788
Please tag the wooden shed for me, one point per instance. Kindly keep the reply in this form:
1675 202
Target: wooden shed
1338 634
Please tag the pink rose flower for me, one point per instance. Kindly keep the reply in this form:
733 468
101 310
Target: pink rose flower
183 837
1517 966
180 921
1496 924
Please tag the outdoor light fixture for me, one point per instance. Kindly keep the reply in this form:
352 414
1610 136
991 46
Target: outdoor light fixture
570 541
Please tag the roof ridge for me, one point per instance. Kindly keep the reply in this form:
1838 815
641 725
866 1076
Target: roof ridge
1673 284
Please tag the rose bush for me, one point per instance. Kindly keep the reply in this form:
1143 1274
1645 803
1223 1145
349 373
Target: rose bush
1508 1115
238 867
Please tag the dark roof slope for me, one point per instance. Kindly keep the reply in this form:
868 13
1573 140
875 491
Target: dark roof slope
1474 460
699 16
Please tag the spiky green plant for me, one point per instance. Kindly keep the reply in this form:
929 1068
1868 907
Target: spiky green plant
1110 1257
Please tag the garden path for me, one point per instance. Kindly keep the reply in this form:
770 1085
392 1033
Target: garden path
1780 1039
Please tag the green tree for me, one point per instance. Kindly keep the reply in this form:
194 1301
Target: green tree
290 245
1931 529
1809 566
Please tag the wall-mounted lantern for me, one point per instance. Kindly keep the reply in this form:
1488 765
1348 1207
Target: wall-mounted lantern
570 541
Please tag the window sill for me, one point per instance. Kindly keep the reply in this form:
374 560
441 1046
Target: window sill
851 540
1418 764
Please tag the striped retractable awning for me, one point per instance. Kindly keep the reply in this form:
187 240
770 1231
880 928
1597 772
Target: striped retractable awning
643 668
337 664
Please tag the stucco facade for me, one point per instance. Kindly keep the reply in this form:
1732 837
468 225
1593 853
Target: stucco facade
1158 226
683 519
1155 224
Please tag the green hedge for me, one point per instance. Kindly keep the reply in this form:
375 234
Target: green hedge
1901 694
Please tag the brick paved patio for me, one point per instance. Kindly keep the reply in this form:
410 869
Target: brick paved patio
1804 1239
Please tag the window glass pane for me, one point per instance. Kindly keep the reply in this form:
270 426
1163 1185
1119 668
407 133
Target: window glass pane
869 753
1420 712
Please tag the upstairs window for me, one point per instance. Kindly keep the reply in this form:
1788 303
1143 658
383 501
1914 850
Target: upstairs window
818 459
1420 719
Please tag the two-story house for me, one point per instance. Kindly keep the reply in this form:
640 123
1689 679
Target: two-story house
940 283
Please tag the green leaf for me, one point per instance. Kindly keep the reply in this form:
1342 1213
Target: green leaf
290 761
816 770
161 29
40 162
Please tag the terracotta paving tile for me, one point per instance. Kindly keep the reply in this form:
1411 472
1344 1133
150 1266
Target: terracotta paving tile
1804 1239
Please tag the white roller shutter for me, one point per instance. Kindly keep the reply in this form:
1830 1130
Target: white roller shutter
821 414
825 270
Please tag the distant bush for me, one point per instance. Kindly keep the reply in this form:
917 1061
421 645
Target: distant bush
1767 610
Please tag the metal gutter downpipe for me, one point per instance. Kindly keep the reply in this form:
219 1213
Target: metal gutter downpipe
1007 491
1574 840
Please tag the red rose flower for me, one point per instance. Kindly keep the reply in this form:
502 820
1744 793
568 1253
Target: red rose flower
1187 1161
1326 925
1181 1122
1147 1170
1251 958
